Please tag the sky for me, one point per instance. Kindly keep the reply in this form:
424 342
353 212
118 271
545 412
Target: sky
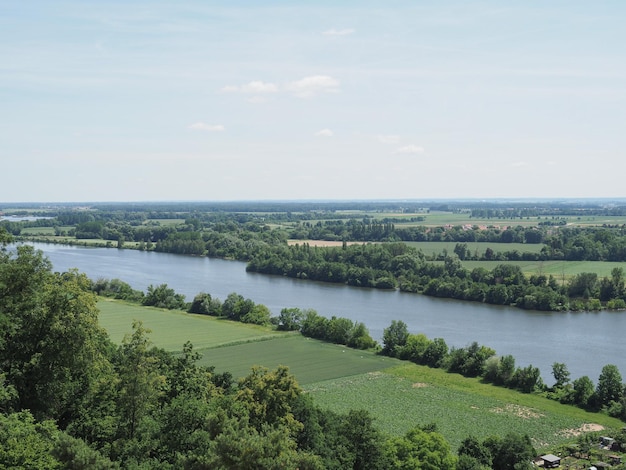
139 100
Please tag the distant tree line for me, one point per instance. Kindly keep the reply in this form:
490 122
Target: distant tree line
396 265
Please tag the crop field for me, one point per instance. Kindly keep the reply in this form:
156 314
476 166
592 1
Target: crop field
407 396
171 329
399 395
308 359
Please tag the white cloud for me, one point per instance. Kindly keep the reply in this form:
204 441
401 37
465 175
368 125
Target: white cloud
519 164
201 126
255 87
339 32
411 149
388 139
324 133
313 85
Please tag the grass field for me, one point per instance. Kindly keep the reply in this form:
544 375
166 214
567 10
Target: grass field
171 329
308 359
559 269
399 395
407 396
435 248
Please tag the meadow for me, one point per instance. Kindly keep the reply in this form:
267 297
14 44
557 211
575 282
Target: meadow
398 394
435 248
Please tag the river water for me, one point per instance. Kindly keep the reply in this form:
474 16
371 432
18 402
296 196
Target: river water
584 341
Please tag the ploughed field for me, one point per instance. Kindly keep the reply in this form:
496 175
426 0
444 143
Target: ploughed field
399 395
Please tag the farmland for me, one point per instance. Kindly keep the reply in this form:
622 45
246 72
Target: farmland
399 395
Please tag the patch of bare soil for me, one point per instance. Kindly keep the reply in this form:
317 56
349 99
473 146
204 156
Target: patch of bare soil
587 427
419 385
517 410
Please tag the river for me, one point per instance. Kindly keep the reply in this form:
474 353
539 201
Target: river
584 341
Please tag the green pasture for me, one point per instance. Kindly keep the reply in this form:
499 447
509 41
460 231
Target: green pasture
407 396
171 329
438 219
435 248
37 231
308 359
558 269
165 221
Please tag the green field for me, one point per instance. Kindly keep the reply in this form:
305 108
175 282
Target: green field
171 329
308 359
559 269
407 396
399 395
435 248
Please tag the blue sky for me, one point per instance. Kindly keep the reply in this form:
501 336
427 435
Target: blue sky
231 100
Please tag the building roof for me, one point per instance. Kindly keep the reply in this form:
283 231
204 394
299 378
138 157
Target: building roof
550 458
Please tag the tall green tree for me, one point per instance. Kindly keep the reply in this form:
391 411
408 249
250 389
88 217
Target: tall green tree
51 344
610 387
394 338
419 449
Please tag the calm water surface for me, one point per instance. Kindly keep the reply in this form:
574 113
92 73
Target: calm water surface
585 342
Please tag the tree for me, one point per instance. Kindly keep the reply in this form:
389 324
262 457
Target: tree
419 449
162 296
514 452
27 444
582 392
610 387
52 346
472 447
526 378
394 338
140 383
258 315
363 440
289 319
560 374
436 352
269 397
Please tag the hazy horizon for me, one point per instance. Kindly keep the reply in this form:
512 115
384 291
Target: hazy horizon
111 101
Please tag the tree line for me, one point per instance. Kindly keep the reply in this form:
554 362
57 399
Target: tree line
396 265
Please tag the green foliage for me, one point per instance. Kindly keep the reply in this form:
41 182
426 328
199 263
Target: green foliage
27 444
162 296
290 319
394 338
52 347
610 387
419 449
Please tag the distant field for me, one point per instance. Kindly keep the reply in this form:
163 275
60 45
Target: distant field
37 231
558 269
407 396
435 219
171 329
434 248
166 221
